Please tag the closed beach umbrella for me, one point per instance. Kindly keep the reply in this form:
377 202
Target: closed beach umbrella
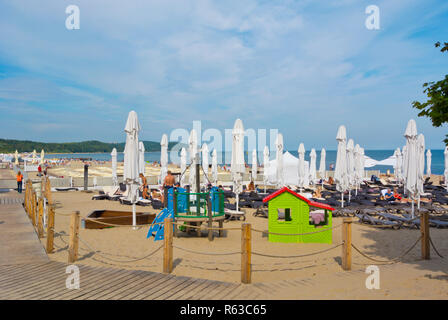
301 167
131 160
322 165
237 166
163 158
193 149
350 166
34 156
398 163
183 165
215 167
16 156
363 163
254 165
412 162
404 164
141 157
340 171
42 156
421 165
279 159
445 173
428 162
313 174
358 169
266 166
114 167
205 155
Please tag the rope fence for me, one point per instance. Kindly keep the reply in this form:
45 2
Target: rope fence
35 213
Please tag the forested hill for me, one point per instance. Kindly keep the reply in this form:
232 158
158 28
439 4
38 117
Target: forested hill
10 146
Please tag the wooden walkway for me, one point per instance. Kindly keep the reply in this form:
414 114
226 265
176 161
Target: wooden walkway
27 273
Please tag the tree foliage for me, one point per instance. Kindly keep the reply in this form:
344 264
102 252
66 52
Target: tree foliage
10 146
436 108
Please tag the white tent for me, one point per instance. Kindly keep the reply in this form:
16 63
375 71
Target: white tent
114 167
412 162
131 159
237 166
278 157
205 162
183 166
322 165
301 174
42 156
141 159
214 167
428 162
340 172
265 166
254 165
290 165
163 158
193 148
312 173
445 173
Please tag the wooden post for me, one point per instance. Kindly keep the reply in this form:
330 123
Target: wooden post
40 216
33 208
50 229
168 246
25 196
424 230
74 233
210 219
246 270
48 191
347 246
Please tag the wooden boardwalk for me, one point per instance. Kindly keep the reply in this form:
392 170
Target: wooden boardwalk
27 273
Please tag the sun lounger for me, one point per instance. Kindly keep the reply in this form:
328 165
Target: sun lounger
377 222
234 215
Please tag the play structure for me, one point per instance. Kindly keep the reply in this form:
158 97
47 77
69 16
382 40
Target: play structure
190 208
291 213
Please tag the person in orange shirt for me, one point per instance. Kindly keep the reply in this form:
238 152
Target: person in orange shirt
19 181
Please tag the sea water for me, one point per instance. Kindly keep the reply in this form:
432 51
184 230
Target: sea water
437 163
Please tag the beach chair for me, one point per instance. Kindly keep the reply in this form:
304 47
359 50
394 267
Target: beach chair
363 218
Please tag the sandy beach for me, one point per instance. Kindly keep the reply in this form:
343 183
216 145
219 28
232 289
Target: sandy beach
117 247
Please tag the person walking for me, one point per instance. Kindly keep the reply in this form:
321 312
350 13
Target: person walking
19 181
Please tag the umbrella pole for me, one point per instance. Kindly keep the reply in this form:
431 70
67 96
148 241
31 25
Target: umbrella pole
349 194
418 203
134 217
412 208
237 202
342 198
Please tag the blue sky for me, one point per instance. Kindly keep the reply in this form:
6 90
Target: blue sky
303 67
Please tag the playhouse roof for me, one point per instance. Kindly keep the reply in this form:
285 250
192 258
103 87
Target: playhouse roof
309 202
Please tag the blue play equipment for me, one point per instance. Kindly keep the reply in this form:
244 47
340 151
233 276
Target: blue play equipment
188 205
157 230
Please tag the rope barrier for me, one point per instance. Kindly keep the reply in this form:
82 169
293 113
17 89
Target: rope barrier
120 225
297 256
205 227
434 247
296 234
208 253
391 261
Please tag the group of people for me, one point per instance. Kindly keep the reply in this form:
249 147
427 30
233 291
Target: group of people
168 183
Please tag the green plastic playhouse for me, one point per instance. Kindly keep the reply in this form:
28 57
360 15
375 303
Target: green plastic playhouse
289 212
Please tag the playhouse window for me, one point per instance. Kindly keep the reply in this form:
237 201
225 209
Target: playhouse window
318 218
284 214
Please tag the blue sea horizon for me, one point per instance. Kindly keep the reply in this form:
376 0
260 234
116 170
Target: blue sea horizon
437 162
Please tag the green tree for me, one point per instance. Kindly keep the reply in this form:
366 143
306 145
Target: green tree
436 108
